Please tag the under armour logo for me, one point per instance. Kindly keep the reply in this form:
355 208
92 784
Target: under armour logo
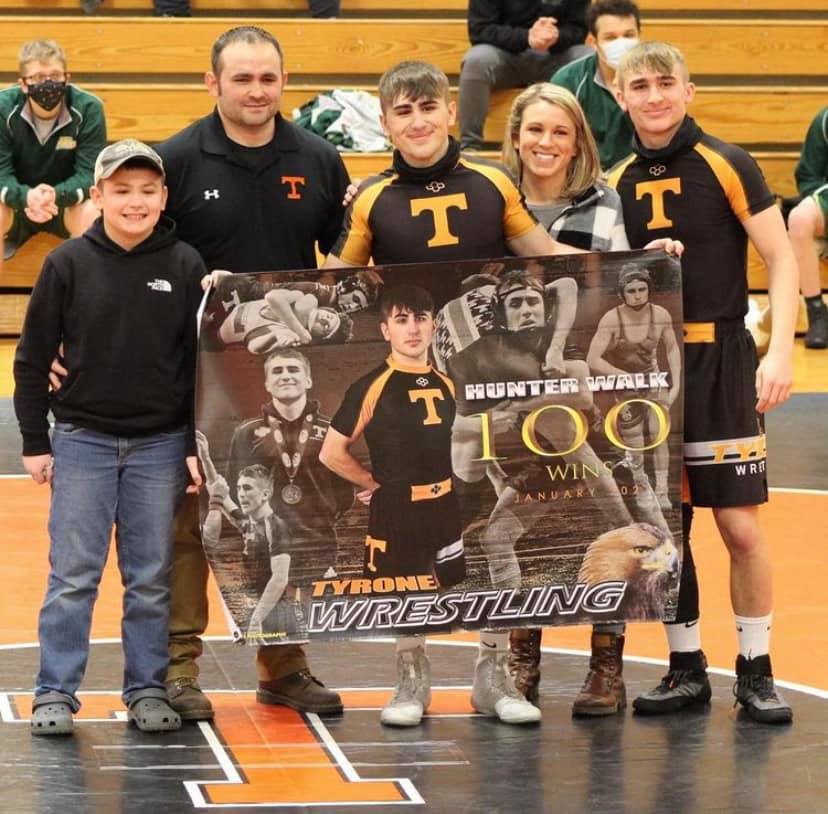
657 169
435 186
422 381
211 193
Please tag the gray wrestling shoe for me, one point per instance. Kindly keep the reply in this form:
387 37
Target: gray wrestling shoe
494 692
684 685
755 691
412 694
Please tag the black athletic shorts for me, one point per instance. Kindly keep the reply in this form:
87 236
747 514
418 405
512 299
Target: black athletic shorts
724 436
414 537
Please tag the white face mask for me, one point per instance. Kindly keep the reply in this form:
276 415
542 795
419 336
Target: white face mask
615 49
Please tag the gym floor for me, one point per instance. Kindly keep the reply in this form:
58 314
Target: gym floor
273 759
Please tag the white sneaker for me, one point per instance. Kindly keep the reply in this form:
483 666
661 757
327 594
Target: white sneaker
494 693
413 692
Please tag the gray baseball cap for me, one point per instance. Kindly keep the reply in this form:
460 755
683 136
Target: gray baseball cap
113 156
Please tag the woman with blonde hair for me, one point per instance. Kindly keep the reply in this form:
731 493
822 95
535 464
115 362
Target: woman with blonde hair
551 152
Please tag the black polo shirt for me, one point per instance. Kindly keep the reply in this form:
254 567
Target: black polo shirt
254 210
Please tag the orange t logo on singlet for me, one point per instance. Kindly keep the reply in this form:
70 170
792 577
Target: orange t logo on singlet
429 396
373 545
294 181
656 190
439 207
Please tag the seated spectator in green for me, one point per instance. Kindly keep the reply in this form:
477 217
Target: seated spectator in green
614 26
807 224
50 134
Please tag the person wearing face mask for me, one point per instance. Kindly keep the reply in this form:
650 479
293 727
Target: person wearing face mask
614 27
50 135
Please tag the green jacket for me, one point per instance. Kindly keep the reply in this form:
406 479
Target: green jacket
611 127
812 169
65 161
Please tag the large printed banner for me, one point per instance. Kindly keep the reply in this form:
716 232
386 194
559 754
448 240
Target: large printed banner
554 399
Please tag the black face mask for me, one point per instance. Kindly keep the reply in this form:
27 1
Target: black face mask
48 94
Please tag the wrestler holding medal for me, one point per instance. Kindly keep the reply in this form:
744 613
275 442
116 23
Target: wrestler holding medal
286 438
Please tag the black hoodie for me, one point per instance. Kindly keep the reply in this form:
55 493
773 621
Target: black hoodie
127 321
506 23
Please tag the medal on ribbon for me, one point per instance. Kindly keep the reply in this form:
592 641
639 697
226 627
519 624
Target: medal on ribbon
291 492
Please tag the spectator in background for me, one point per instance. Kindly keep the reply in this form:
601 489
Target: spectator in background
514 44
181 8
614 26
324 8
806 225
163 8
50 134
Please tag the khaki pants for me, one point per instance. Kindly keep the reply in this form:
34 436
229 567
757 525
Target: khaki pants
189 609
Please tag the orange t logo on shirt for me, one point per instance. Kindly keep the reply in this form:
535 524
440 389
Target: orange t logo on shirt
295 181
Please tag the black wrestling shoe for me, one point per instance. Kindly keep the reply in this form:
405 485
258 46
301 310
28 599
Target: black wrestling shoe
684 685
755 691
817 336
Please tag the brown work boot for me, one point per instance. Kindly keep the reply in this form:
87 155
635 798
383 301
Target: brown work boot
300 691
524 661
603 692
187 699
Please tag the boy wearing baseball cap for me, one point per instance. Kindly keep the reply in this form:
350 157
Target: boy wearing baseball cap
122 302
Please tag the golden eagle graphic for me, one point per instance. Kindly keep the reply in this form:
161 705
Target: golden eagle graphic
640 554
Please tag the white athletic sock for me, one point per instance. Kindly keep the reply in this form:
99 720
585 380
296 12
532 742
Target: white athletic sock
683 637
493 640
410 643
754 635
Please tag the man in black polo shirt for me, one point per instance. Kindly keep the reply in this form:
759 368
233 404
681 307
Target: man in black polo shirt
252 193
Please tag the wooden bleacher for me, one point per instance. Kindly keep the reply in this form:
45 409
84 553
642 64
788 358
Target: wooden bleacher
128 46
747 115
761 78
378 6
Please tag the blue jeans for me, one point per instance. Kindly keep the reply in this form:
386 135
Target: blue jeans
100 480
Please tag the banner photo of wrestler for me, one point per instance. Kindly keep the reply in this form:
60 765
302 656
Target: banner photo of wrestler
420 448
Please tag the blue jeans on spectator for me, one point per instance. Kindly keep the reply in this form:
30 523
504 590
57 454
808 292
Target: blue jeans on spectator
100 480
